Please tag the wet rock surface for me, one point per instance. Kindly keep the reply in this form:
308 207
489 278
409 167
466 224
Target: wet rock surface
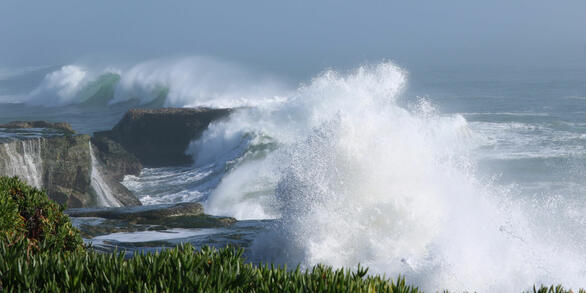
159 137
61 164
101 221
62 127
116 160
66 166
141 212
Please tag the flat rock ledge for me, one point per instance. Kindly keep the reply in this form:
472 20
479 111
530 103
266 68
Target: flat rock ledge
63 127
151 212
102 221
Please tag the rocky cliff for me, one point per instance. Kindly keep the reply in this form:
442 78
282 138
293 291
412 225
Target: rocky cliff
159 137
67 169
66 165
83 172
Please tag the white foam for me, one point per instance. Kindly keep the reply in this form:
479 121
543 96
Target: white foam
359 179
197 81
516 140
147 236
23 159
170 185
60 87
105 196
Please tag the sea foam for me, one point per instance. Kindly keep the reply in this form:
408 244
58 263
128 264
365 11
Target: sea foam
359 178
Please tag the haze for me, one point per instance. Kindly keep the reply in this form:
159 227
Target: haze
298 38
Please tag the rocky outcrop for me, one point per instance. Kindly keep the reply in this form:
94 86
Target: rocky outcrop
62 127
159 137
62 165
143 212
101 221
67 170
108 191
116 160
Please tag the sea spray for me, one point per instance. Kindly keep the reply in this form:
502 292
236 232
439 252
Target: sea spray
60 87
22 158
180 82
104 195
357 178
353 175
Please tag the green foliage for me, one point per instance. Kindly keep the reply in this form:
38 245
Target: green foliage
29 220
176 270
555 289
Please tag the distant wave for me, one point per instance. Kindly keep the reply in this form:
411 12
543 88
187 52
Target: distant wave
183 82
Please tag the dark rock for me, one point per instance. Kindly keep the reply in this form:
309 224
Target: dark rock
100 221
63 127
151 212
116 160
159 137
91 227
62 166
119 191
66 170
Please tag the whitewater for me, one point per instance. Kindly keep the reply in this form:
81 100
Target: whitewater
357 166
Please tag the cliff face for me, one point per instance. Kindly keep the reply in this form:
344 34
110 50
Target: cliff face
159 137
64 165
116 160
67 170
84 172
109 165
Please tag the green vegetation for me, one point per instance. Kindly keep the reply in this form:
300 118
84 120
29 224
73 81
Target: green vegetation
176 270
29 219
40 251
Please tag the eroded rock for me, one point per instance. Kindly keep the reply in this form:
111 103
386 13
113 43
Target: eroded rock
159 137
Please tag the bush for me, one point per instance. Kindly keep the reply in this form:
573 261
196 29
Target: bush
30 221
177 270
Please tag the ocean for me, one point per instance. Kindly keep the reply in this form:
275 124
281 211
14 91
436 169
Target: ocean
465 179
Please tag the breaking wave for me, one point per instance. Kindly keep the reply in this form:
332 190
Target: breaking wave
354 177
182 82
350 173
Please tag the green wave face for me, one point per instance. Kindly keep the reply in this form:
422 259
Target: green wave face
100 91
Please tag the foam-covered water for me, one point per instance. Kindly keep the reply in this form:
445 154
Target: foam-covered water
463 182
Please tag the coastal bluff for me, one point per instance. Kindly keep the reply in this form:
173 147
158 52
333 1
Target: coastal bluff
159 137
53 157
82 171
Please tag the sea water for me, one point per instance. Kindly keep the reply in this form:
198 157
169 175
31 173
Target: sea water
456 179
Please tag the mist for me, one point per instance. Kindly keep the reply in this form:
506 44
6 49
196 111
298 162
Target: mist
298 38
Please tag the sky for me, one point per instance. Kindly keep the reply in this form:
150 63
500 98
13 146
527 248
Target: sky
297 38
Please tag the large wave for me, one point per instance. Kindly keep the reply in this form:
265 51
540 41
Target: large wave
352 174
179 82
358 178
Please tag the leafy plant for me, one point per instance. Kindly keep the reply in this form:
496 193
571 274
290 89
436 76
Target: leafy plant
29 219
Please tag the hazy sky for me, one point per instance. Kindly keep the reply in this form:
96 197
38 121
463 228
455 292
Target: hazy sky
297 37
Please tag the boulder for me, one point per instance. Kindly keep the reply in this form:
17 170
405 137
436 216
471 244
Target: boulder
159 137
